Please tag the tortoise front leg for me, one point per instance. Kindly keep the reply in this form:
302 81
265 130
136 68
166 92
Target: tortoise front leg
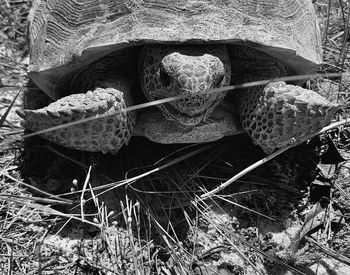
106 134
275 114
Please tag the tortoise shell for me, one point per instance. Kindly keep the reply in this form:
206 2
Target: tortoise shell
66 35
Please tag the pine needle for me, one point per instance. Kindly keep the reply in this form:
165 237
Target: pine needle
175 98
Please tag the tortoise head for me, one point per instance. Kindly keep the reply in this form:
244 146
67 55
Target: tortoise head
187 71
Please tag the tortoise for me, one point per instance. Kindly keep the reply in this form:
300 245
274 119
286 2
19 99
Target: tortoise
99 57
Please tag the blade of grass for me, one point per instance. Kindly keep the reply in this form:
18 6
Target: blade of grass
64 201
111 186
49 211
232 244
4 116
270 157
35 199
82 200
330 252
232 238
245 208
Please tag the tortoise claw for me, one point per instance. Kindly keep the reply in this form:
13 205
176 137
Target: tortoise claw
53 113
21 113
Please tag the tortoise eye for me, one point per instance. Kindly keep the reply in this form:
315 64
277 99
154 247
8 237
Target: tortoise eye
164 77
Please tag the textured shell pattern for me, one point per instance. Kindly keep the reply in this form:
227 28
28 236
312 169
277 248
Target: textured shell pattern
66 35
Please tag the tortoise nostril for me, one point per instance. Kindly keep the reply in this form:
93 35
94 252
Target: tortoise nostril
218 82
164 77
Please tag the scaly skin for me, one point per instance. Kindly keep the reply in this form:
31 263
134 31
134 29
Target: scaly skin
106 134
271 115
187 71
274 114
277 113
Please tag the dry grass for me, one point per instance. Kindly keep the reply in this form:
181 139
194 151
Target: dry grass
145 215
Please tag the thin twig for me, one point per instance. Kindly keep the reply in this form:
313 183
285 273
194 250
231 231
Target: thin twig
82 200
270 157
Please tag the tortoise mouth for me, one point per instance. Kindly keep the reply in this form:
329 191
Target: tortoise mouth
186 119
